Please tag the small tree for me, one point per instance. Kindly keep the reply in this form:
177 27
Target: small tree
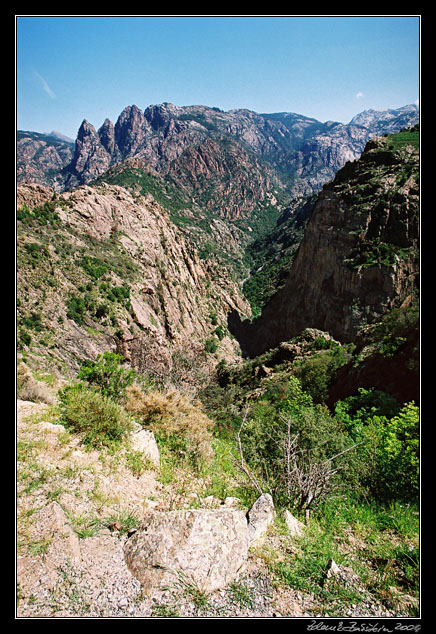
296 448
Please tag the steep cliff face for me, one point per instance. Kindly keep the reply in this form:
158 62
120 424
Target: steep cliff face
319 157
359 255
101 268
42 159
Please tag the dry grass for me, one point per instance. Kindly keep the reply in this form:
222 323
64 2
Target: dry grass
172 414
29 389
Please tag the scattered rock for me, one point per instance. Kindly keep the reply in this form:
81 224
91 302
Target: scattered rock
231 501
342 575
51 427
295 527
211 502
52 523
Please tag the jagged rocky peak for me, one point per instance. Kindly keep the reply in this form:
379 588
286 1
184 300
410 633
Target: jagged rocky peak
160 115
131 130
106 135
90 156
303 153
86 130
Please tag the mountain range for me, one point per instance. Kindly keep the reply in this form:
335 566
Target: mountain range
292 151
280 217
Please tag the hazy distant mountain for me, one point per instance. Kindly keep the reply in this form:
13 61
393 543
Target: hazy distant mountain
60 136
387 121
42 158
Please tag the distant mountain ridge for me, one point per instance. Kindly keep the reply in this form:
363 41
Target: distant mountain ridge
299 152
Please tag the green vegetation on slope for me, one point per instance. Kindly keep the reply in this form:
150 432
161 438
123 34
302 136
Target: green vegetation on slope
355 469
65 274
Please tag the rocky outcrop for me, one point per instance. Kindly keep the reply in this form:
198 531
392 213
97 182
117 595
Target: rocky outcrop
144 441
167 292
106 135
91 158
204 548
359 255
260 518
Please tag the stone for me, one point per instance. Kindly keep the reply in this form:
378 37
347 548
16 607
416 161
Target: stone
295 527
260 518
231 501
341 576
51 427
332 569
206 547
51 523
144 441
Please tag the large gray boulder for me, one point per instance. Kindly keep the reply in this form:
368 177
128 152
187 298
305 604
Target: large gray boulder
206 547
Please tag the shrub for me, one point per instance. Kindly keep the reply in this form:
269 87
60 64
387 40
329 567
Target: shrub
297 447
24 339
33 321
389 434
220 333
94 267
107 375
101 421
76 309
175 419
29 389
395 454
211 345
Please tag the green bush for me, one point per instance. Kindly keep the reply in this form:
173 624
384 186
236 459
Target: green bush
94 267
107 375
46 214
317 372
76 309
211 345
85 410
389 434
220 333
33 321
293 445
24 338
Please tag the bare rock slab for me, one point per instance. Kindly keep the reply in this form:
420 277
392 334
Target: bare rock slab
260 518
143 440
208 547
295 527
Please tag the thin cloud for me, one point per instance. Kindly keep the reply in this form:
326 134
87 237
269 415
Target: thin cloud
359 95
45 85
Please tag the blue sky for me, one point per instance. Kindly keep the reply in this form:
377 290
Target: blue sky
70 68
